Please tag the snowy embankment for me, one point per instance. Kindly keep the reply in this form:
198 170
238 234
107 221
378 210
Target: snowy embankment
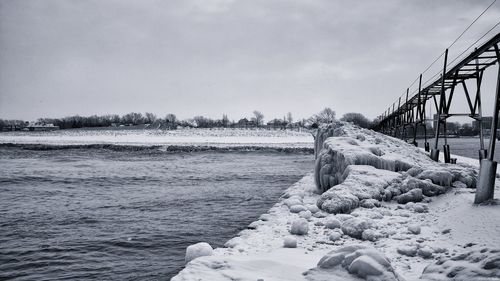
181 137
376 208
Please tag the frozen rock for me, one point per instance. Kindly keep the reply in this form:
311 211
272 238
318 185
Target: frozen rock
364 266
331 260
370 235
305 214
335 236
297 208
354 227
410 251
320 214
414 195
478 264
332 223
290 242
370 203
338 202
425 252
364 262
198 250
313 208
232 243
415 229
439 177
265 217
299 227
292 201
420 208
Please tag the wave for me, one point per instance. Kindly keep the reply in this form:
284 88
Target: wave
164 148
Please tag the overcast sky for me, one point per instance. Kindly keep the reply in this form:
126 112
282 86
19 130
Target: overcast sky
202 57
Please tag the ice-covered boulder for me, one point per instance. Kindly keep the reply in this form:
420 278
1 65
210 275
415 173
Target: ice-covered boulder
356 261
332 223
414 229
305 214
297 208
408 250
354 227
299 227
198 250
290 242
477 264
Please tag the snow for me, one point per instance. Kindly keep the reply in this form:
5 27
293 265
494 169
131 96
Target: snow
379 237
207 137
198 250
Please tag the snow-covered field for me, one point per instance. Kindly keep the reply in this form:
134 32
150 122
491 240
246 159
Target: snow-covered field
388 213
222 137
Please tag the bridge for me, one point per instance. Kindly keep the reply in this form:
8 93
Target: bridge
404 119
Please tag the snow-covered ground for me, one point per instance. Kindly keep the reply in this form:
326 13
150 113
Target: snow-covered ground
388 213
221 137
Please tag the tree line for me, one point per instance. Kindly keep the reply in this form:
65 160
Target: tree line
170 121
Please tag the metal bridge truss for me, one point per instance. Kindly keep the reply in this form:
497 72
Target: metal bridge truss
410 115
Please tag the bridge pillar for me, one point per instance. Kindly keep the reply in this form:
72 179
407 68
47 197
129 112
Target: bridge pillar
488 167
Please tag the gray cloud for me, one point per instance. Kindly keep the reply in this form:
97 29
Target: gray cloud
61 57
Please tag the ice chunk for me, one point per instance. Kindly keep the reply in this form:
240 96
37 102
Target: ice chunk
290 242
354 227
364 266
299 227
297 208
198 250
332 223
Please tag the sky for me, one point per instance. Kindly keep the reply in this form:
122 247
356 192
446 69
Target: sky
209 57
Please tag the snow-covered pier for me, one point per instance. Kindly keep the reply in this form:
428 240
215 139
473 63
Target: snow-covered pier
374 208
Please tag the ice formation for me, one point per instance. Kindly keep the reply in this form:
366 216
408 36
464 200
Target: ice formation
357 167
198 250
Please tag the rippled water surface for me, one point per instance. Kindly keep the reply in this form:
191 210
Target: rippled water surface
99 214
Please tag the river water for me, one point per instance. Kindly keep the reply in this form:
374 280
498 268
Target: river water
101 214
465 146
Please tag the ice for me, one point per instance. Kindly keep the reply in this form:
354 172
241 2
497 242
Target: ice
354 227
297 208
414 229
198 250
290 242
305 214
353 171
332 223
299 227
353 262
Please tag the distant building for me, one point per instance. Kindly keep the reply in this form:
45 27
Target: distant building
42 127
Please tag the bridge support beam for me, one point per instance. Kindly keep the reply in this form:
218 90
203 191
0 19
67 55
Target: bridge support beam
488 168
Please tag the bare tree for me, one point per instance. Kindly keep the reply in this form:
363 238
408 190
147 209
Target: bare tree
258 117
357 119
289 118
326 116
171 118
150 117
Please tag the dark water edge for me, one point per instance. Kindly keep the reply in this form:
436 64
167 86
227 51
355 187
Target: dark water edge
100 213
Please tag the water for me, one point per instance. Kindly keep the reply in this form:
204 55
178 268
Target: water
465 146
99 214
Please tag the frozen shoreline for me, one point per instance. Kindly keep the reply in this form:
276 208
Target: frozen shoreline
441 237
185 137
